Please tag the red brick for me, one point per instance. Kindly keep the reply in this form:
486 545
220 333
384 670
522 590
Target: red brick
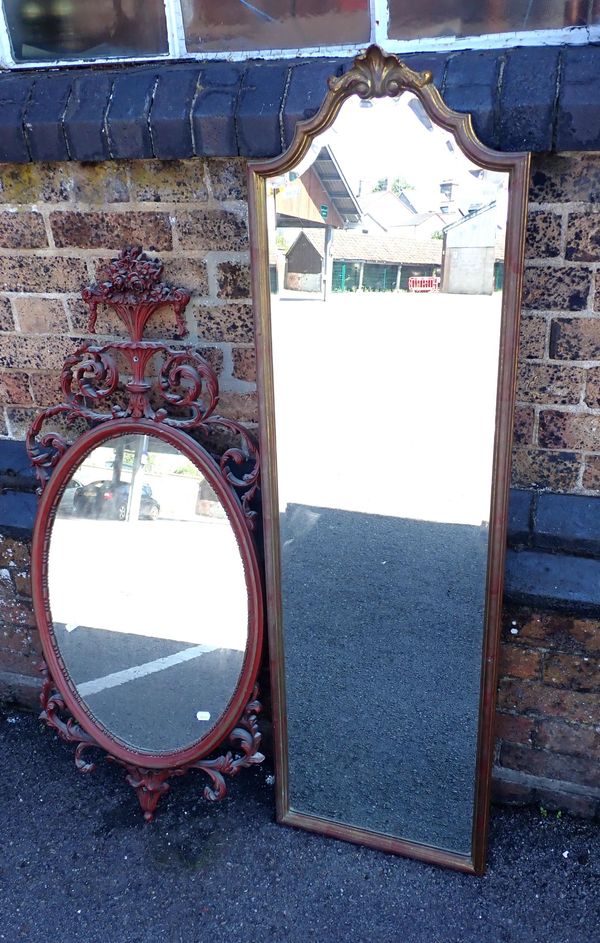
168 181
24 640
556 384
212 230
505 791
14 388
18 614
244 363
42 273
20 663
556 471
22 230
577 431
228 323
532 337
7 322
514 728
591 473
555 631
575 339
531 697
111 230
523 424
592 387
568 739
519 662
40 315
577 672
240 406
583 236
13 553
45 387
569 769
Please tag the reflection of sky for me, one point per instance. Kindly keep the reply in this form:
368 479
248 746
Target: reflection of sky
393 142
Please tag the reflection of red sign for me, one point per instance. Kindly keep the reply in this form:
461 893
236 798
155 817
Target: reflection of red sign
423 283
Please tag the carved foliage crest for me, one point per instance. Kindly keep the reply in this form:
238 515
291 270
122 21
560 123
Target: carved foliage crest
376 74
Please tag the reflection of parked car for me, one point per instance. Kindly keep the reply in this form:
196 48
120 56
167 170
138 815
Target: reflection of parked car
105 499
67 502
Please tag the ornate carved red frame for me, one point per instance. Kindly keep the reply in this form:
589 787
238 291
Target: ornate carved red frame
182 401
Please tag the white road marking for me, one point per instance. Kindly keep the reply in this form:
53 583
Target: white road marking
203 715
140 671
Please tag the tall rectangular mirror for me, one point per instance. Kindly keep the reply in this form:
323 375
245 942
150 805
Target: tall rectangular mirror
387 255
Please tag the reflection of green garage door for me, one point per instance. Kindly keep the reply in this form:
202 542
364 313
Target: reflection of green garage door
344 276
379 277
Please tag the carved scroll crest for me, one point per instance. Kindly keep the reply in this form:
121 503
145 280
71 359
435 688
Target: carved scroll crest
376 74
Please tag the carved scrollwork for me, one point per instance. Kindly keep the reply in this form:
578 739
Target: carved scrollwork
183 392
378 75
151 784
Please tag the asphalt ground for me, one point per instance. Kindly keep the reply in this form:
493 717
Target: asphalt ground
79 864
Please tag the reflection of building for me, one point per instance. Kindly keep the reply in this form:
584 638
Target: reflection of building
360 261
473 254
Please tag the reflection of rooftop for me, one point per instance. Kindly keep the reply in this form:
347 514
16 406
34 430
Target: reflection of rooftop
353 245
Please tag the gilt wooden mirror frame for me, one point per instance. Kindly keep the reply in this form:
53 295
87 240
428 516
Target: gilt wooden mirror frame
147 608
312 787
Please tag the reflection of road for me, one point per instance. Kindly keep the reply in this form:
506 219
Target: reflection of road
386 403
151 620
153 693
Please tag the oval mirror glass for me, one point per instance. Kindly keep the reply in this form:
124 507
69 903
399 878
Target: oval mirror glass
147 593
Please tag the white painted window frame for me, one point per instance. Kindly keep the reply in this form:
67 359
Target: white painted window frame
379 12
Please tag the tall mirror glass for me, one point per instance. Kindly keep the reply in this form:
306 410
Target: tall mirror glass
135 526
382 337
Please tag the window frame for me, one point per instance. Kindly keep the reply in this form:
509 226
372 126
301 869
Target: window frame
379 17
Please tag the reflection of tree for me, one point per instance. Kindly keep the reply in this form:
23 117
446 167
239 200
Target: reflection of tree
397 186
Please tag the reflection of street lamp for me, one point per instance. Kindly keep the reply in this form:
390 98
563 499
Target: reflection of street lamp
137 480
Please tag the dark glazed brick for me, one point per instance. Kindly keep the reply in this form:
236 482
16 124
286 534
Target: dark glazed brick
543 383
84 116
14 95
560 179
127 115
575 339
578 118
535 468
170 123
257 117
543 235
234 280
306 90
426 62
568 522
552 581
17 513
527 99
577 431
111 230
550 765
43 118
213 115
561 288
523 424
583 237
471 83
519 511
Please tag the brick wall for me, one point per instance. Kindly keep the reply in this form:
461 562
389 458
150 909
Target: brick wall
557 432
58 221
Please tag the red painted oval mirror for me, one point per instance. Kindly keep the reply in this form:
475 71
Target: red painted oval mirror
146 583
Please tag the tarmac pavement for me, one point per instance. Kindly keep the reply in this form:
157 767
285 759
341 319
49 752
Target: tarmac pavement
79 864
